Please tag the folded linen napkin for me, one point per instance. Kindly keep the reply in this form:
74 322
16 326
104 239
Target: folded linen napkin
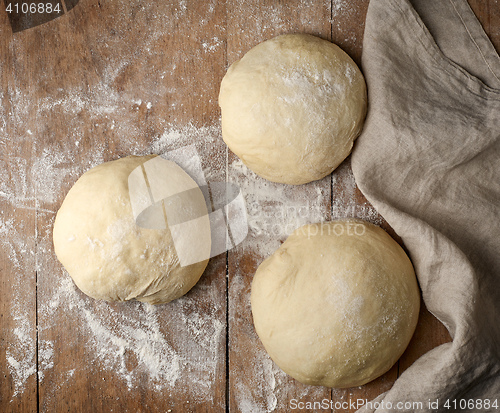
429 161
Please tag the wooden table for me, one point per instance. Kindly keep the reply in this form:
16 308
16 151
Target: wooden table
113 78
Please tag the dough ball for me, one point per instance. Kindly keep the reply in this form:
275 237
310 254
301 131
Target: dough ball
337 304
107 254
292 108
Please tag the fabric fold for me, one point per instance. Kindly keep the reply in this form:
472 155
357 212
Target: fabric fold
429 161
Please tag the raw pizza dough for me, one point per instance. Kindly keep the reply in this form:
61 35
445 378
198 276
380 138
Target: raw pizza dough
292 108
107 254
337 304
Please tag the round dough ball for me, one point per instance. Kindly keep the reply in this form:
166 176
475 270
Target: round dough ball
108 256
292 108
337 304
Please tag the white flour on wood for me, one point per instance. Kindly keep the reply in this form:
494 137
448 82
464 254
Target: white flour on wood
131 340
180 345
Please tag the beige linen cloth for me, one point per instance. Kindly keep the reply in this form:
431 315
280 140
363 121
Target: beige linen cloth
429 161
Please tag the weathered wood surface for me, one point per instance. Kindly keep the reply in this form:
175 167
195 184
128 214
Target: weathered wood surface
113 78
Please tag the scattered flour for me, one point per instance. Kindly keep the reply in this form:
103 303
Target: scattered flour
119 335
264 387
136 340
346 199
212 45
173 346
275 210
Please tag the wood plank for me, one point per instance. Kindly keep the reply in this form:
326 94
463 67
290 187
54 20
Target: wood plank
18 341
134 87
112 78
488 13
347 28
256 384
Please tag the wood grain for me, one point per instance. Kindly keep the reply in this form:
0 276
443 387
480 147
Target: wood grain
18 279
110 79
255 383
96 387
